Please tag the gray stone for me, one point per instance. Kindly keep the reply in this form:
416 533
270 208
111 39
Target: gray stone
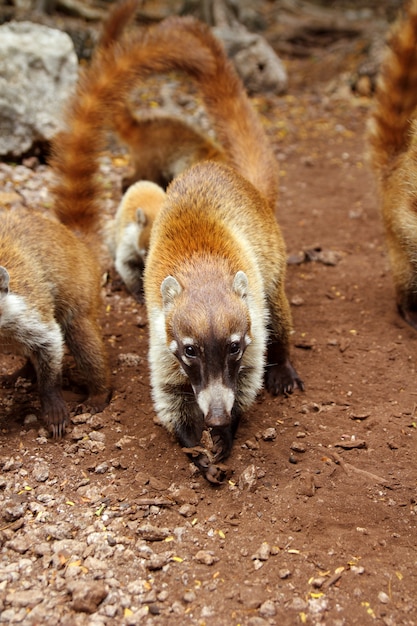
255 60
38 71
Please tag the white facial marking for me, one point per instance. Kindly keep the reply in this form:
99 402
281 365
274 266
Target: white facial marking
216 395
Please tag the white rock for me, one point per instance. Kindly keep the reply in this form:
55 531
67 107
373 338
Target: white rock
38 71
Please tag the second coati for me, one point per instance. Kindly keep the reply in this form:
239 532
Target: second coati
215 272
129 232
392 136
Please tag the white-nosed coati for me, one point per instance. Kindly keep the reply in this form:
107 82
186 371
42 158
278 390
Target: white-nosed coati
49 296
214 277
393 148
129 232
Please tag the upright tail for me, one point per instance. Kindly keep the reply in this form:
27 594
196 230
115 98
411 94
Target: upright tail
120 16
396 94
238 127
102 88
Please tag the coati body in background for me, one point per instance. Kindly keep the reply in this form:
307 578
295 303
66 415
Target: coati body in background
214 277
49 296
393 147
129 232
161 147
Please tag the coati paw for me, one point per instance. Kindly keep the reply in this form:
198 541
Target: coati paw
205 455
282 379
217 474
55 413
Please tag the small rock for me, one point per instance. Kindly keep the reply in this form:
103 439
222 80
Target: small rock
152 533
40 472
263 553
247 479
205 557
284 573
101 468
187 510
13 510
129 359
29 598
189 596
157 561
267 609
269 434
87 595
298 446
383 597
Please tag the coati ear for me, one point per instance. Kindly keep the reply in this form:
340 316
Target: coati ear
4 280
240 284
141 217
170 289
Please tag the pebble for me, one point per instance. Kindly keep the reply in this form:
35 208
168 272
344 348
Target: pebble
383 597
263 552
87 595
269 434
298 446
205 557
189 596
40 472
13 510
29 598
267 609
152 533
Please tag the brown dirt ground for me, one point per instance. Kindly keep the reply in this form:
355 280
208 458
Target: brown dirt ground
324 525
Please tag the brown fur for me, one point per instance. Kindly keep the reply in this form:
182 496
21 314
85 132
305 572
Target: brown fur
50 294
129 232
216 267
393 149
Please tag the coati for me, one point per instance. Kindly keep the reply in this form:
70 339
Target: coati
214 276
129 232
49 296
392 136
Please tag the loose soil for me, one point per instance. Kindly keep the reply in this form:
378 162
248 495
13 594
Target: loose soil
317 524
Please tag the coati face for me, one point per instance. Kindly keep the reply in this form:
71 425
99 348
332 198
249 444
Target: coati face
208 331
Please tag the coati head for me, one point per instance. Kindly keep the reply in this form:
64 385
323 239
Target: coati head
208 331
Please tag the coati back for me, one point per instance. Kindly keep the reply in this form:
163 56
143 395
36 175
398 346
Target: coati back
161 147
392 136
129 232
214 277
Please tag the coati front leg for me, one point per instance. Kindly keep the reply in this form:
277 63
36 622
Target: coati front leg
46 358
280 375
86 345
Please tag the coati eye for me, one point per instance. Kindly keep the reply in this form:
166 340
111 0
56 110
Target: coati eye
234 348
190 351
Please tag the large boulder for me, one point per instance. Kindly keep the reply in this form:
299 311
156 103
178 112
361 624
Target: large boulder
38 72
